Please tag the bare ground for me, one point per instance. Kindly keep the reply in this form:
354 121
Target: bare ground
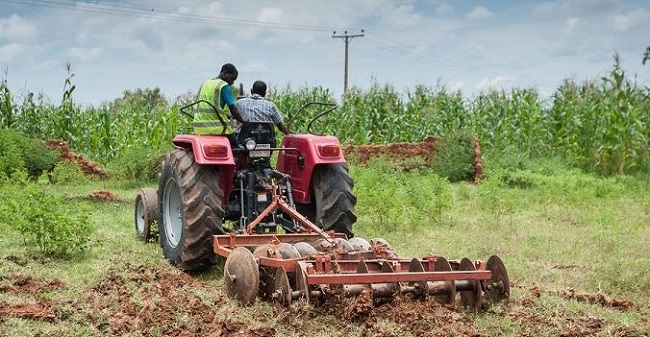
160 301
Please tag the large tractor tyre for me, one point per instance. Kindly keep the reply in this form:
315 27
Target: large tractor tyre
190 211
332 206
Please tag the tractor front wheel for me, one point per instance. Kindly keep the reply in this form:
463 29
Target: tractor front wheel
190 211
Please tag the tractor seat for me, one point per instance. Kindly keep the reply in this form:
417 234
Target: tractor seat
261 132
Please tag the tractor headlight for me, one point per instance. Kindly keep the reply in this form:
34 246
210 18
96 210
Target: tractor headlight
250 144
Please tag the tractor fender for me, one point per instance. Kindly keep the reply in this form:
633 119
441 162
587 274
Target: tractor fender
208 150
213 151
316 150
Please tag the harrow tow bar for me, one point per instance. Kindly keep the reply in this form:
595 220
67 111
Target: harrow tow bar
277 202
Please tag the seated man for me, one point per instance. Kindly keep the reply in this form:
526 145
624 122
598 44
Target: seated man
257 109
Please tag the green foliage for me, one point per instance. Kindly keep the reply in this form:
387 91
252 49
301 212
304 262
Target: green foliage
38 158
50 225
11 159
67 172
148 99
393 199
7 106
18 153
454 157
138 163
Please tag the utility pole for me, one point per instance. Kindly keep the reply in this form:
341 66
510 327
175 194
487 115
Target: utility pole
346 38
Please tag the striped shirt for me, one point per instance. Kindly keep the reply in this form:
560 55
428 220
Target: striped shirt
257 109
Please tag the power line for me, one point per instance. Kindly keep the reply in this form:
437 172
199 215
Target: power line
173 16
391 45
373 39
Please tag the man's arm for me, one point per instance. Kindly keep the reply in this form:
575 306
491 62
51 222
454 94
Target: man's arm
278 120
283 128
235 113
229 99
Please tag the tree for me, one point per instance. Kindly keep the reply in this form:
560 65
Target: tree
147 98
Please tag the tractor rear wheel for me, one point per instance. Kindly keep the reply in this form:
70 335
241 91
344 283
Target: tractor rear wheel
190 211
332 205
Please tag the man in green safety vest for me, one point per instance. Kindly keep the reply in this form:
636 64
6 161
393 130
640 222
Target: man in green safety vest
218 92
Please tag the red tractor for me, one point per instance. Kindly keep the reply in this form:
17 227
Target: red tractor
219 184
286 232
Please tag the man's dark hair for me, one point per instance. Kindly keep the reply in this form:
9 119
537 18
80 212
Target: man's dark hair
259 88
229 68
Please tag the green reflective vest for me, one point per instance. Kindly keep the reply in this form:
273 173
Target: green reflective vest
206 121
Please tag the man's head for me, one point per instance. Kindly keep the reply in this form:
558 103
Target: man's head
259 88
228 73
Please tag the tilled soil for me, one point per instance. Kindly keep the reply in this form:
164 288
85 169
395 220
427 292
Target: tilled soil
160 301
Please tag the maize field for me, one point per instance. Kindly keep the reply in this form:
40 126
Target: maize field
599 126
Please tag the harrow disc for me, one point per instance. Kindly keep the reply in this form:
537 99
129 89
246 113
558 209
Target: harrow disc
360 244
282 290
241 276
301 282
305 249
470 298
288 251
380 242
386 292
450 287
421 287
343 246
324 245
498 287
267 274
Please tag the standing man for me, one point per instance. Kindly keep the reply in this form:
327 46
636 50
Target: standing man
218 92
257 109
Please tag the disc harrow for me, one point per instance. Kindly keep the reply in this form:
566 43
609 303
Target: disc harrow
313 266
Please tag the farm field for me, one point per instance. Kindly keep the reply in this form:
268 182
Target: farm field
557 187
576 247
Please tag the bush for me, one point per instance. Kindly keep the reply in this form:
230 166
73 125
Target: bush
11 159
67 172
138 162
454 157
48 223
20 152
38 158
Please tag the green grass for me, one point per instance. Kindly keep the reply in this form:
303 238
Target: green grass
555 228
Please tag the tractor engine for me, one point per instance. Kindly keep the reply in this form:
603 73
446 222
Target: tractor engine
255 180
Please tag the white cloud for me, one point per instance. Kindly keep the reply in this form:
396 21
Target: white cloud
184 10
401 16
633 19
576 7
270 15
571 24
9 52
15 28
85 54
455 86
494 83
479 13
444 9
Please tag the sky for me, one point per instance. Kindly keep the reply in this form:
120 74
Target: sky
471 46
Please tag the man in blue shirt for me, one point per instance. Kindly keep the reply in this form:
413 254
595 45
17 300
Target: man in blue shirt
257 109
